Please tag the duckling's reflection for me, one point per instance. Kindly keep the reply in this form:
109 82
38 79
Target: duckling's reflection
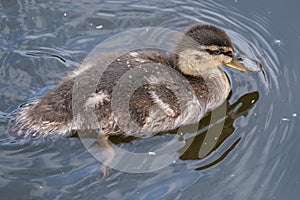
237 109
193 149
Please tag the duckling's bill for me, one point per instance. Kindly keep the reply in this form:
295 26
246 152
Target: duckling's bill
244 63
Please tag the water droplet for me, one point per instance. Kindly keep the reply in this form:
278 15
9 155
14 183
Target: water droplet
99 27
215 138
65 14
129 76
91 24
285 119
127 62
278 42
252 101
151 153
294 114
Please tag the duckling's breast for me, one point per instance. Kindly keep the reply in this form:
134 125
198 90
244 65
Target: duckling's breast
218 88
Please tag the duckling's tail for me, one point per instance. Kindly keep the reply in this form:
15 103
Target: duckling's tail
49 115
31 122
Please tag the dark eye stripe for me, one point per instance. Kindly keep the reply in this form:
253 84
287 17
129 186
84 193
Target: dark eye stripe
218 52
228 53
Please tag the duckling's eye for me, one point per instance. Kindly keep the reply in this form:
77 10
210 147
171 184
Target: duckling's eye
228 53
215 52
218 52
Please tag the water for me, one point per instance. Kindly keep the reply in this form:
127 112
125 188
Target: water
256 156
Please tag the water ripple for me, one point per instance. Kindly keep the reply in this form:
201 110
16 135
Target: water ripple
249 159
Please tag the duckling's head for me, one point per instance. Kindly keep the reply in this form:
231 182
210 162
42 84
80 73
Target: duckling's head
205 47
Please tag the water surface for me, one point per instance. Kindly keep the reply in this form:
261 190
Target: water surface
255 157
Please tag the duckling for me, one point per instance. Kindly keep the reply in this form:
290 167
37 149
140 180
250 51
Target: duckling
181 88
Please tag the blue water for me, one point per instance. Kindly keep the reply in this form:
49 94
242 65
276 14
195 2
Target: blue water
255 157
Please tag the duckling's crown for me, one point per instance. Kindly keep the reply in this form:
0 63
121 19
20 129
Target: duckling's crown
205 35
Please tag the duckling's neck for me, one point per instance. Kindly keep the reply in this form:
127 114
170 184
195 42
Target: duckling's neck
195 63
215 79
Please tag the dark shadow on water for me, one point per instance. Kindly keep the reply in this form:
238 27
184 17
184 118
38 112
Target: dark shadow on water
237 109
192 149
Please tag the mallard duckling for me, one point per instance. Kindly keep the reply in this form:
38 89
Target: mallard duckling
161 104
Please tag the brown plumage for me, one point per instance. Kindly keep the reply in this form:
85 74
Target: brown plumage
188 83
